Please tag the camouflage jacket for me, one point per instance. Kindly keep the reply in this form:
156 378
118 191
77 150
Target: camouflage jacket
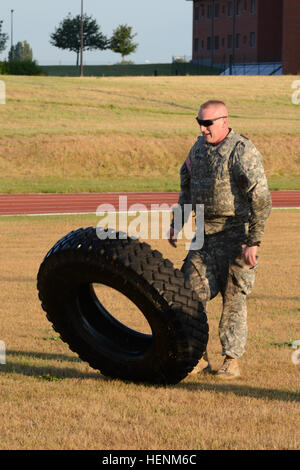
229 180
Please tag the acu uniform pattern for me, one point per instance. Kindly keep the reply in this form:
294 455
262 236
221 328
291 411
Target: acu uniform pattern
229 180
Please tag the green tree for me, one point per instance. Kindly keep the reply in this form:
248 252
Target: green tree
68 35
21 51
122 41
3 38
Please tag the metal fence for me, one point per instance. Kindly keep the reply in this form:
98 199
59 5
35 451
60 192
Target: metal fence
171 69
174 68
249 68
229 67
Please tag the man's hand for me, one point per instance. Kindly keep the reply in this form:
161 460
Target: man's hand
249 256
172 237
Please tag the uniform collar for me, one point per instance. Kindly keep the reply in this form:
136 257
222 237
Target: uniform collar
224 147
227 145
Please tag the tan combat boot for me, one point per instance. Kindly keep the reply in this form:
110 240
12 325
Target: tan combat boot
229 369
203 366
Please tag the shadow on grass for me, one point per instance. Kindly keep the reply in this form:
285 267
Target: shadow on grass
43 355
52 373
242 391
46 372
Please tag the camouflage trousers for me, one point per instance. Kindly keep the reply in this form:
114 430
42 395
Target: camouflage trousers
218 267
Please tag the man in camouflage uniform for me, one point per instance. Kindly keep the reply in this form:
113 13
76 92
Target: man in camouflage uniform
224 172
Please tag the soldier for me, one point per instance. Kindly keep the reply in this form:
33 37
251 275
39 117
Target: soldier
224 172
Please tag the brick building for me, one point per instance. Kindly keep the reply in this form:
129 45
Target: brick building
249 31
291 37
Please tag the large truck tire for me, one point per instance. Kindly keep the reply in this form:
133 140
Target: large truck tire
177 320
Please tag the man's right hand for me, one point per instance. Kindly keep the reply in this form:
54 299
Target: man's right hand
172 237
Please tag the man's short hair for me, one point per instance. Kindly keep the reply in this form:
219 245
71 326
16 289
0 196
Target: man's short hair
209 103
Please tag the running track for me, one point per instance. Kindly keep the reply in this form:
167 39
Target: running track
31 204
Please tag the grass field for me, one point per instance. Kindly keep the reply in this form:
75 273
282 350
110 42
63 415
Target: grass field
51 400
133 133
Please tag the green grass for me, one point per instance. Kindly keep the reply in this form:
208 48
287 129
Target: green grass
291 183
93 185
59 185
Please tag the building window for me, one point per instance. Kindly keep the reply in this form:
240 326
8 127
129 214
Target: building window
209 11
209 43
202 44
196 13
202 10
238 41
223 42
196 45
229 41
223 9
217 43
252 39
217 10
245 5
230 9
252 7
238 7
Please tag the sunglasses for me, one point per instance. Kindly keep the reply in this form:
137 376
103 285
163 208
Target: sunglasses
208 122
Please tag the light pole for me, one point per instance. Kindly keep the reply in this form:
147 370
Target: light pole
82 44
12 32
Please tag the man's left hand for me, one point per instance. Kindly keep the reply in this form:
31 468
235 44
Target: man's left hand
249 256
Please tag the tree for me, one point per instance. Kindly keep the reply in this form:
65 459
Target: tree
122 41
3 38
68 35
21 51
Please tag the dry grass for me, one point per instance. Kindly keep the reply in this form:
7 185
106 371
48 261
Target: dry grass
136 126
51 400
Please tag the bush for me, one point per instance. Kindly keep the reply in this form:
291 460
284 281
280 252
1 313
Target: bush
21 67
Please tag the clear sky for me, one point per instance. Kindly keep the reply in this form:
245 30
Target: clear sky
163 27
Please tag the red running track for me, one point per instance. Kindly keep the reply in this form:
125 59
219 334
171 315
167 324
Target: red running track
18 204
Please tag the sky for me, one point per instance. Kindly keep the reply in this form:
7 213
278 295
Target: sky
163 27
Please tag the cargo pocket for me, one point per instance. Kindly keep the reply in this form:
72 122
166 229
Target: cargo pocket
244 278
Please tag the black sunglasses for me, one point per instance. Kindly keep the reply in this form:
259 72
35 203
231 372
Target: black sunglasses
208 122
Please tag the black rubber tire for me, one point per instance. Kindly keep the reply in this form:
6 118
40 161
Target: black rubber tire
177 320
